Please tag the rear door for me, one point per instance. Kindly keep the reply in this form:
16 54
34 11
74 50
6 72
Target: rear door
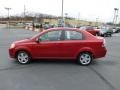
73 41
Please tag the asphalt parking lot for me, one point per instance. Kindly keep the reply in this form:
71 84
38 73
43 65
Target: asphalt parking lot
103 74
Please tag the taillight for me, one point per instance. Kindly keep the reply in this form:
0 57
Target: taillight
103 41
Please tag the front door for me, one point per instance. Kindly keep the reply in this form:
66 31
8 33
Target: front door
48 45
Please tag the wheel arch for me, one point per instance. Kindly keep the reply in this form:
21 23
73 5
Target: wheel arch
25 50
86 50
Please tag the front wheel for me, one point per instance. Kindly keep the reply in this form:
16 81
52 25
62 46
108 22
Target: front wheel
85 59
23 57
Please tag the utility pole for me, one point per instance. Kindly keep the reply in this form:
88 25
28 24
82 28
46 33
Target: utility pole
8 9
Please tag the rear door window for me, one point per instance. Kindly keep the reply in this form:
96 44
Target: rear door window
73 35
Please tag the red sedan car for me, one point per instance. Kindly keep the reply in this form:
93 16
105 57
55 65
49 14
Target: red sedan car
59 43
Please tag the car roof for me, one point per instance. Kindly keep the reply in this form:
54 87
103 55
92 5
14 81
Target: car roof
87 34
65 28
62 28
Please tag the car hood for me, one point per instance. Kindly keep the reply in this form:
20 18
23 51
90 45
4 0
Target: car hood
22 41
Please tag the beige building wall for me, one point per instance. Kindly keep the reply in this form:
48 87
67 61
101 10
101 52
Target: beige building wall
72 22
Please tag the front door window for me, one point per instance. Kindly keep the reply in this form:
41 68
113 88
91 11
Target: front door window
51 36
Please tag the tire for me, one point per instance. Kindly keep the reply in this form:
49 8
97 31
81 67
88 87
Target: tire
85 59
23 57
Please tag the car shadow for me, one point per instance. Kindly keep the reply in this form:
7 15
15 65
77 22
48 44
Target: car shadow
59 62
55 61
66 62
105 63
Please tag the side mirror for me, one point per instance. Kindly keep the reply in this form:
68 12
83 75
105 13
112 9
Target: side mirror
37 40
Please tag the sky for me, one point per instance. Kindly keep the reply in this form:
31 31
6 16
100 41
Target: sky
102 10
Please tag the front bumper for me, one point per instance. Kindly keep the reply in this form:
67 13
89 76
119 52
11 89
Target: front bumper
12 52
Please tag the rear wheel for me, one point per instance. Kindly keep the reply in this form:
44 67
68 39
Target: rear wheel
85 58
23 57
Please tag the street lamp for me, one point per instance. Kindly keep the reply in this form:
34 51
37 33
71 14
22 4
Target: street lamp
8 9
62 9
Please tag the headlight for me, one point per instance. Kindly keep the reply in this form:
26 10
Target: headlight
12 45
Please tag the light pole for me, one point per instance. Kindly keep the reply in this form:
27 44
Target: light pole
62 17
115 16
62 8
8 9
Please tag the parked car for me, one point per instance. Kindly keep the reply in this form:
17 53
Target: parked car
117 30
47 26
105 32
59 43
92 30
114 30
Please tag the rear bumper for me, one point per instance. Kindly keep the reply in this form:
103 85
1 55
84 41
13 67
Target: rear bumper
102 53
